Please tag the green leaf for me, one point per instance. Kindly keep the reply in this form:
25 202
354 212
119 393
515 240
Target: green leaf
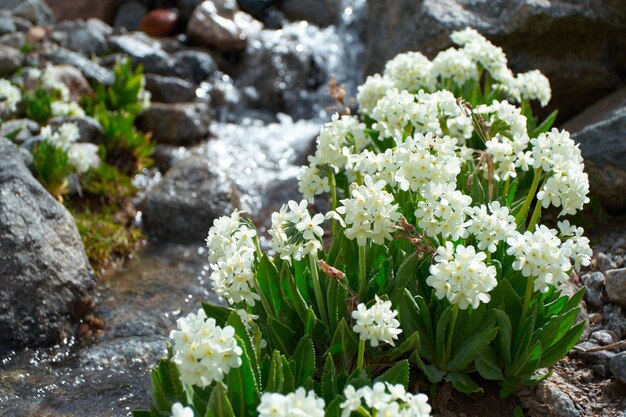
558 350
505 333
344 346
434 374
471 348
276 375
288 283
219 313
441 332
397 374
334 408
243 390
487 365
269 281
405 272
219 406
282 337
462 382
545 125
552 332
329 380
304 360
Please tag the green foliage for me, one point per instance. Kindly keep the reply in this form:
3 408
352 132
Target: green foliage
52 168
37 104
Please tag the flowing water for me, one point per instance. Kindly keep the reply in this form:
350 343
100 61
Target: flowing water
106 373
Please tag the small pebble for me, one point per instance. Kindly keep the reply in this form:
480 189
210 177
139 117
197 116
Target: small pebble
603 337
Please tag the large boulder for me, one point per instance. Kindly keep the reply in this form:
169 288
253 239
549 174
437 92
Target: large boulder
36 12
45 276
578 44
11 60
177 123
86 37
170 89
184 204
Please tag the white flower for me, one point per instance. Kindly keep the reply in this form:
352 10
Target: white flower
464 279
394 112
385 400
203 351
337 139
491 224
294 232
379 166
540 255
83 156
50 81
66 109
576 246
533 85
374 88
369 213
441 114
178 410
231 255
300 403
64 136
409 71
456 65
311 182
377 323
443 211
467 35
10 96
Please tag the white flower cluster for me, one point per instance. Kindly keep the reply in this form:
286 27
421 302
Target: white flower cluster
369 213
409 71
231 256
294 232
385 400
50 81
10 96
300 403
533 85
63 137
540 254
83 156
443 211
567 185
456 65
490 225
203 351
66 109
377 323
461 275
576 245
373 89
178 410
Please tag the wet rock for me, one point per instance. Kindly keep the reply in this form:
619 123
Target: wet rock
603 337
166 156
73 79
319 12
11 60
177 123
618 367
599 360
84 9
125 351
221 26
25 129
594 284
45 277
160 23
91 70
170 89
257 8
614 318
194 65
143 50
15 40
35 11
183 206
86 37
615 286
90 130
604 262
570 41
129 15
7 23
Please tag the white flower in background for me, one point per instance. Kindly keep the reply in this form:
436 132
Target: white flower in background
50 81
490 225
83 156
379 166
443 211
369 213
377 323
294 232
540 255
374 88
300 403
576 245
311 182
385 400
10 96
178 410
409 71
456 65
66 109
394 112
231 256
461 275
441 109
533 85
203 351
144 96
63 137
465 36
491 57
337 139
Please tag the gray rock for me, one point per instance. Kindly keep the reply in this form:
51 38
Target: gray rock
170 89
90 69
84 9
125 351
166 156
618 367
594 284
603 337
73 79
7 23
554 394
571 41
86 37
614 318
11 60
177 123
186 7
143 50
25 129
615 286
604 262
90 130
129 15
15 40
194 65
35 11
183 206
46 279
600 359
319 12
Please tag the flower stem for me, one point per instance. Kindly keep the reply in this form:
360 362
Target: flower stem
455 313
521 216
527 297
361 355
333 194
321 303
535 217
362 272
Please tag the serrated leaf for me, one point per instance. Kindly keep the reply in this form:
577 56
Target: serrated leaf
344 346
462 382
487 365
405 272
397 374
219 406
558 350
282 337
304 360
471 348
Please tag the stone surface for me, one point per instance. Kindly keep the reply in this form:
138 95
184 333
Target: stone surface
129 15
614 318
599 360
11 60
74 80
603 337
618 367
90 69
178 123
35 11
45 277
183 206
604 262
7 23
221 28
170 89
89 128
594 284
160 23
84 9
194 65
143 50
319 12
186 8
557 396
15 39
86 37
615 286
578 44
26 129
